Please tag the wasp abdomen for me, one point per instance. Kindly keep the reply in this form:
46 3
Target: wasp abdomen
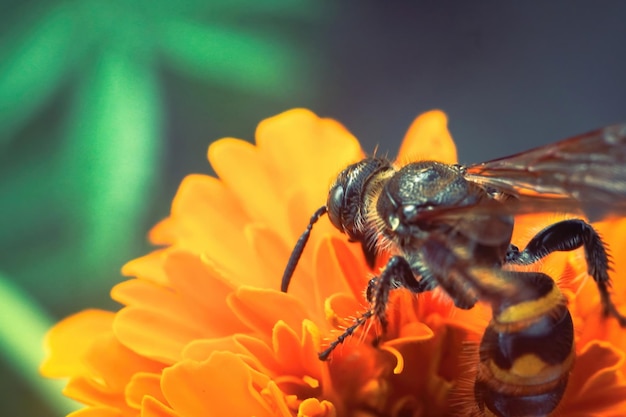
526 353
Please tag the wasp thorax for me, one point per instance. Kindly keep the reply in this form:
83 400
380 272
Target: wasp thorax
346 198
420 187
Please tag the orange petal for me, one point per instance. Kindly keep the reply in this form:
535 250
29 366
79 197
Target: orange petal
221 386
288 348
101 411
144 384
312 407
595 384
342 309
330 277
412 332
271 253
200 225
157 323
260 309
89 391
281 402
148 267
200 350
202 292
261 352
428 138
255 187
114 364
160 337
602 360
353 267
151 407
310 347
306 151
69 340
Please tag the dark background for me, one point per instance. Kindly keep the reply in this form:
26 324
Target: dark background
510 76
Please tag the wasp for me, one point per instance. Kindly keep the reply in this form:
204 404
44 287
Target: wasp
450 226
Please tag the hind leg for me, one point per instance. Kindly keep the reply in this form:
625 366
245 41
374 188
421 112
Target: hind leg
569 235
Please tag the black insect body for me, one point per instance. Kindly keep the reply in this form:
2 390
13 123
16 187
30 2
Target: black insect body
451 227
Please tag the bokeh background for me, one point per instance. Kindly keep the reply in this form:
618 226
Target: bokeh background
105 105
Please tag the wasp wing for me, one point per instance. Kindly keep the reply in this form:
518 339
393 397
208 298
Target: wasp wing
586 172
470 220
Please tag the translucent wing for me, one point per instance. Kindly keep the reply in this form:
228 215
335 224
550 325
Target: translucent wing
586 172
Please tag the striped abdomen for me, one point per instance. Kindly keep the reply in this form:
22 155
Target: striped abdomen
526 352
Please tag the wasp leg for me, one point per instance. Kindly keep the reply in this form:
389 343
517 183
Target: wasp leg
566 236
323 355
397 273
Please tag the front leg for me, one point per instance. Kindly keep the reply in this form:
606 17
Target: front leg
396 274
569 235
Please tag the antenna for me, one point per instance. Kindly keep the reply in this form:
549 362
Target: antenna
297 250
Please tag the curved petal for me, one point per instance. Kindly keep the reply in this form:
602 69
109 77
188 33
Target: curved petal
69 340
306 151
428 138
144 384
199 388
114 365
261 309
150 407
312 407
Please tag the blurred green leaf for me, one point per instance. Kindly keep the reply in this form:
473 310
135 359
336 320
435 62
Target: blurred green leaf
244 60
285 8
23 210
76 208
113 151
220 9
33 63
22 328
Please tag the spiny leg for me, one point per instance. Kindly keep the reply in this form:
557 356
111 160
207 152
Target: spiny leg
568 235
323 355
397 273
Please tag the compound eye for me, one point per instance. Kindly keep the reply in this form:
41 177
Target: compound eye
335 206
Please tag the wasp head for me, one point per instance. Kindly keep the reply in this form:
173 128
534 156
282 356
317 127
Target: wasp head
347 197
346 208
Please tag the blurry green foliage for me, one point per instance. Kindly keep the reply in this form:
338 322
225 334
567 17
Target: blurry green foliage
81 128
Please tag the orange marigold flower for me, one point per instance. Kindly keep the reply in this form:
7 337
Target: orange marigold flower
204 330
